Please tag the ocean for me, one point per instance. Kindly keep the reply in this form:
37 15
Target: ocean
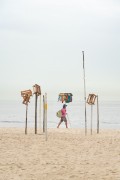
12 114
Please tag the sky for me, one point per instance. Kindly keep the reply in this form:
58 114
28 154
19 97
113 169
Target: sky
41 42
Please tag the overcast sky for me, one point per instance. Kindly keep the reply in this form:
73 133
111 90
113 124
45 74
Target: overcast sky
41 41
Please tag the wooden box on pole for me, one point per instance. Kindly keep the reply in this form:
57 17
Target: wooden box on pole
26 94
37 92
91 101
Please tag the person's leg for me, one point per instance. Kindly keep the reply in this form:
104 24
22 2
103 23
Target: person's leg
65 120
59 124
66 124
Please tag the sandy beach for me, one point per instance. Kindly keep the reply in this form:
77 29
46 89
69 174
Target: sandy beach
67 154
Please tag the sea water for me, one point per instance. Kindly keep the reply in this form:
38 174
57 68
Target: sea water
13 114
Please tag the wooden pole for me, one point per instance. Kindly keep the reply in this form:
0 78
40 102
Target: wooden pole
91 117
45 116
97 116
84 95
43 113
36 113
26 119
40 112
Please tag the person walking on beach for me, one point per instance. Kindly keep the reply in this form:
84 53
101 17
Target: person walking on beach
63 117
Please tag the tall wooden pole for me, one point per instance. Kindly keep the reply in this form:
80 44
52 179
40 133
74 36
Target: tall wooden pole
40 112
36 113
97 116
43 113
84 95
26 119
91 117
45 116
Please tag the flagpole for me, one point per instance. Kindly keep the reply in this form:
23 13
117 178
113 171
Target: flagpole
84 94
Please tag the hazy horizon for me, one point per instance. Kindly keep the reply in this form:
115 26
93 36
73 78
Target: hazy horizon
42 42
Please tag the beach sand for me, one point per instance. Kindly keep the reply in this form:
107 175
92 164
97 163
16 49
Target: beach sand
67 154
